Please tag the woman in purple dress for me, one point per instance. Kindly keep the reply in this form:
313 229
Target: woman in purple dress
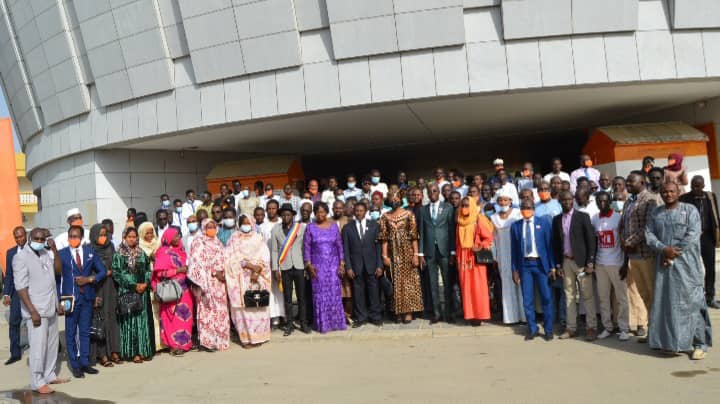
323 259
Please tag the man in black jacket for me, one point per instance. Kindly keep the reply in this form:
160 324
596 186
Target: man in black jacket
574 247
363 259
707 205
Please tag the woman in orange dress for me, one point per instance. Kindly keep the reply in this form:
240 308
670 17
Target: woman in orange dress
474 233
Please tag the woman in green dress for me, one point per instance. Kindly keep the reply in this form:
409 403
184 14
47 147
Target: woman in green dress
131 271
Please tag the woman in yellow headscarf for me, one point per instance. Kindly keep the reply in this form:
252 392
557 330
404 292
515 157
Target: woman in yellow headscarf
474 233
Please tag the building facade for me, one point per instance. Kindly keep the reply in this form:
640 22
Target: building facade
119 101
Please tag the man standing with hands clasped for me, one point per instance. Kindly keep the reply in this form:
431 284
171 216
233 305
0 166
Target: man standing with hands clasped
10 297
532 265
34 270
574 246
679 320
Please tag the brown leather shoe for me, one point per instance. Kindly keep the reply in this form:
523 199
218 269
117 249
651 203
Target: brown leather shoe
591 335
567 334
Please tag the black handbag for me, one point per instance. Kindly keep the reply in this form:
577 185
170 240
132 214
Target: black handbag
97 327
129 303
484 257
386 286
255 298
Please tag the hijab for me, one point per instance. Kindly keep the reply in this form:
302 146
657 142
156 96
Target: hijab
130 253
105 251
466 224
148 247
677 165
206 257
169 256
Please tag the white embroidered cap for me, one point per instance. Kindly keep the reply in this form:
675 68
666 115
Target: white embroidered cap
72 212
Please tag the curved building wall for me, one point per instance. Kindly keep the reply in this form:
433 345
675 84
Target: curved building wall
85 75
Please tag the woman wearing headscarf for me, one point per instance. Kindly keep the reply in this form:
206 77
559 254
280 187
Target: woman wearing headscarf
207 272
474 233
149 244
247 267
399 237
131 270
323 255
108 350
505 216
675 171
228 226
176 318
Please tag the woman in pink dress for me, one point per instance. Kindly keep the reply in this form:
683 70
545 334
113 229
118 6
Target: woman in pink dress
176 318
207 272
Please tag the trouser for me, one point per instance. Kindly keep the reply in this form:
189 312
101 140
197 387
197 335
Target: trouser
308 296
426 293
707 250
640 285
14 322
435 264
570 283
531 275
294 278
557 291
77 332
366 284
43 341
608 278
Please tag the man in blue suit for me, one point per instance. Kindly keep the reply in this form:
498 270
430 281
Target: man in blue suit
10 298
81 270
532 264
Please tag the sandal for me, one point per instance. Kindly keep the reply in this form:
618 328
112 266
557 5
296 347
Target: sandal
115 358
106 364
177 352
137 359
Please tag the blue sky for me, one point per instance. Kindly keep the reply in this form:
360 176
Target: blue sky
5 114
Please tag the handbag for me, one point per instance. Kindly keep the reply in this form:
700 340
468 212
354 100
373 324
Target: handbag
97 327
484 257
386 286
129 303
168 291
255 298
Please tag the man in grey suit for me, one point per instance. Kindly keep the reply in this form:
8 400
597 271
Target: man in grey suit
286 261
34 272
363 261
436 226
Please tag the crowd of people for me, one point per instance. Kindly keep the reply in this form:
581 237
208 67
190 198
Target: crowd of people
557 249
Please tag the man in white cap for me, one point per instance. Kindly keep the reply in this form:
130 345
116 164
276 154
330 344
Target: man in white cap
499 165
73 218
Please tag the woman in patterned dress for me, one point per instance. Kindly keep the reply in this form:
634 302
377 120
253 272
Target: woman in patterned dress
207 271
323 255
247 266
399 237
176 318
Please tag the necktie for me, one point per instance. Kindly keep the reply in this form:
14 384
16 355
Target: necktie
528 238
587 173
433 214
78 261
362 230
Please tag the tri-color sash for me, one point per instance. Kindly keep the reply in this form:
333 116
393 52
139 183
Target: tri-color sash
289 241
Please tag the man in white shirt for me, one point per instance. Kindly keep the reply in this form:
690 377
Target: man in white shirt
376 184
352 190
191 205
267 196
584 204
509 188
328 195
557 171
610 258
73 217
586 170
177 216
162 222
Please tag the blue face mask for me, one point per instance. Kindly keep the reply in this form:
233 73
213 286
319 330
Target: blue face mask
618 205
503 209
178 209
37 246
351 185
193 227
245 193
375 180
166 203
246 228
375 215
340 198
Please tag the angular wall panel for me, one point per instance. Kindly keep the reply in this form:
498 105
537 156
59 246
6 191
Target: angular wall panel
126 46
695 13
43 31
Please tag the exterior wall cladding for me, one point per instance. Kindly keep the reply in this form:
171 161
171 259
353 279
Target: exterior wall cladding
84 77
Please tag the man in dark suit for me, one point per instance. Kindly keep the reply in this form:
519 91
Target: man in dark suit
363 260
81 270
574 248
436 227
10 297
532 265
707 205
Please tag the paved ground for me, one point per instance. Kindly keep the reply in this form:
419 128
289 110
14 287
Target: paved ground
413 364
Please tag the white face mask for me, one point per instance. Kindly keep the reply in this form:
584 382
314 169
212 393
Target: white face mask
503 209
246 228
245 193
229 223
351 185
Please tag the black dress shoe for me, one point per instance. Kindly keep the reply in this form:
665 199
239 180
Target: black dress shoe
377 323
358 324
306 329
288 331
77 373
11 361
549 337
434 320
90 370
531 336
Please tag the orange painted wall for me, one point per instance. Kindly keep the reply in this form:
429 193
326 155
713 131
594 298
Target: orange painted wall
294 174
603 150
10 216
712 149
